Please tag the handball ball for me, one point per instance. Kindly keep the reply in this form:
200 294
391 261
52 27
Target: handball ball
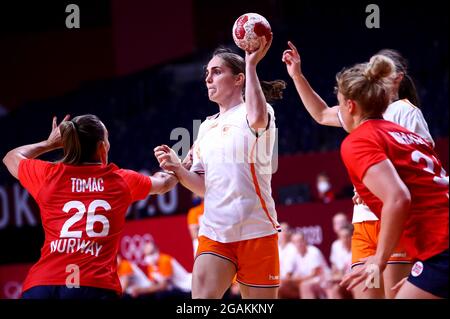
247 28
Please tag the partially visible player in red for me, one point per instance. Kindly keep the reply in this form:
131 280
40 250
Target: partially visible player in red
82 201
403 110
399 176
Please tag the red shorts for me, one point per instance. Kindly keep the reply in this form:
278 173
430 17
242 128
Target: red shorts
256 260
364 244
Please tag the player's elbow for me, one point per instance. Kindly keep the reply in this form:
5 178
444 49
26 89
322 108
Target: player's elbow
320 119
5 159
402 200
9 162
258 120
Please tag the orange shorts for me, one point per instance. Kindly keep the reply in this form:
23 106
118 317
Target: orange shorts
256 260
364 244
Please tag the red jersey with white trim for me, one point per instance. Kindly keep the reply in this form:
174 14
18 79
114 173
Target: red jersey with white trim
419 168
83 213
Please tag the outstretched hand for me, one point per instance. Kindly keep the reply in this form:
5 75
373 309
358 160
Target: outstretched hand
54 139
253 58
291 58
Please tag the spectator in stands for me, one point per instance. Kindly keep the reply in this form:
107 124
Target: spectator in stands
287 252
167 278
193 219
324 188
340 260
307 269
339 220
125 272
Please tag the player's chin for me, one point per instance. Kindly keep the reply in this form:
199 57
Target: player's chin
212 96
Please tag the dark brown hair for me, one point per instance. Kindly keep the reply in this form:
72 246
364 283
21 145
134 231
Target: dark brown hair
369 84
80 138
273 90
407 89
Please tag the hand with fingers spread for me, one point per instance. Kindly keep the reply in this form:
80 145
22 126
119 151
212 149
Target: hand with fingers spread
291 58
369 273
167 158
253 58
54 140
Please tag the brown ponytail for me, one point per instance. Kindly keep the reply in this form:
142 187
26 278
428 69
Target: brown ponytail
71 143
273 90
407 88
80 138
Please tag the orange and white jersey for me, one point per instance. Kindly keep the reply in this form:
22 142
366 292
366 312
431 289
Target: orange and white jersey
238 170
406 114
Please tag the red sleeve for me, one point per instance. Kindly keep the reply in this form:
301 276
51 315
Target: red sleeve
360 153
138 184
33 173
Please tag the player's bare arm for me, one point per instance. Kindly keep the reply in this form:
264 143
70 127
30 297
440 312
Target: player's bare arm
255 101
396 202
53 142
314 104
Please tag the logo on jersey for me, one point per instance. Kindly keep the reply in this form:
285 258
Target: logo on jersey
399 255
417 269
272 277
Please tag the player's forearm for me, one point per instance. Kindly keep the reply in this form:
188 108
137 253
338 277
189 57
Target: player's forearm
254 100
169 181
33 150
191 180
13 157
314 104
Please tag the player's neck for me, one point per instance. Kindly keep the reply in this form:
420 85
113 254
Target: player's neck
394 97
230 103
91 163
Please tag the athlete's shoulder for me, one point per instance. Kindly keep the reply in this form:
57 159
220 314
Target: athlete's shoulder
270 108
366 133
34 162
398 108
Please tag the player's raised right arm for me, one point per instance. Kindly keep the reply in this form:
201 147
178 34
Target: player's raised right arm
314 104
13 157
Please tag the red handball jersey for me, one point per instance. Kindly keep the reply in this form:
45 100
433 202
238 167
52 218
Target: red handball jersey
83 213
426 229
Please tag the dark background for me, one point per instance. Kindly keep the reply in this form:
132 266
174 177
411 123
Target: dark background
138 65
